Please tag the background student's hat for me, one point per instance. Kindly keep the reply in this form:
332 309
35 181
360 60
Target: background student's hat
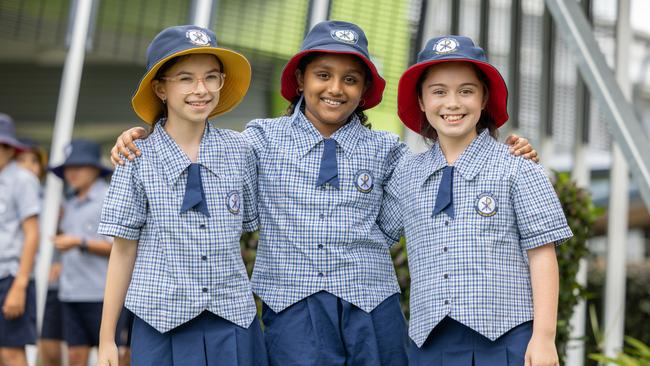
82 152
184 40
449 49
334 37
8 133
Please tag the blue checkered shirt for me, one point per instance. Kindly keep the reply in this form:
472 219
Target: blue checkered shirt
186 263
321 238
473 268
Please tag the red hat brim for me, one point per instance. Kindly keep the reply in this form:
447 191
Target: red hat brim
408 106
289 84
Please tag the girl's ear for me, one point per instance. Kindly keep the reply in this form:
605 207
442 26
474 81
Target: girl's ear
300 78
486 97
159 89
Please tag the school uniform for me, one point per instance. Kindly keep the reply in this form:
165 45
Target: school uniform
189 291
323 267
83 274
471 296
18 202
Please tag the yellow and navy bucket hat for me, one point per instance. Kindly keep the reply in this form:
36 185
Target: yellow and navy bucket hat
185 40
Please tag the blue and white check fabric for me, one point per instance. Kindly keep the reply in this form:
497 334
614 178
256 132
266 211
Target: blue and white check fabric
19 200
322 238
186 262
473 268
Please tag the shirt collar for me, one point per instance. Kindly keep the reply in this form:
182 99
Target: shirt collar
469 163
175 161
306 136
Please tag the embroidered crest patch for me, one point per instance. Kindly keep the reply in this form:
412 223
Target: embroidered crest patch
233 202
364 181
198 37
445 45
486 205
345 35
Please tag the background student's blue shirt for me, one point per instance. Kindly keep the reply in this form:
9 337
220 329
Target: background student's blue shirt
19 200
83 274
473 268
321 238
188 262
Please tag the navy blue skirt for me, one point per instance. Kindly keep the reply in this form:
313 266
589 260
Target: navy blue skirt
323 330
207 340
454 344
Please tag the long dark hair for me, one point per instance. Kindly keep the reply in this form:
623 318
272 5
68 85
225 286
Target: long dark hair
302 66
163 70
486 121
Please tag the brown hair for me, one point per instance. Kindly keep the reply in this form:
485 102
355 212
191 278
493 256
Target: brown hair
485 121
302 66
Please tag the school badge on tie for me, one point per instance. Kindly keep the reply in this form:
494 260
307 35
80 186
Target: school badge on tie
486 205
364 181
233 202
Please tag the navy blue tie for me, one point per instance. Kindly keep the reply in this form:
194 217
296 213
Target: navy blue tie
445 198
194 196
329 172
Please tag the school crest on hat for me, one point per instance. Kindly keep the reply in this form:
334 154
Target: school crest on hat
445 45
345 35
233 202
198 37
364 181
486 205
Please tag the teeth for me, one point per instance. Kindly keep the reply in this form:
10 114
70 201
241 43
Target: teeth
198 103
452 117
331 102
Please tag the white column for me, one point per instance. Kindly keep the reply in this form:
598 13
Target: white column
618 204
319 12
202 13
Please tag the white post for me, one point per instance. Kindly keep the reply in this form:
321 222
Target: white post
62 133
202 13
319 12
575 353
618 204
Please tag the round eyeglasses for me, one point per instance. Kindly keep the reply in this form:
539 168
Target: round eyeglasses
188 84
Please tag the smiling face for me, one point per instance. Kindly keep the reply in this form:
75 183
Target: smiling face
333 85
452 97
196 106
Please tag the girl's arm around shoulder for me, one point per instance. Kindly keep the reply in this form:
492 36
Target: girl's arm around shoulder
258 132
391 215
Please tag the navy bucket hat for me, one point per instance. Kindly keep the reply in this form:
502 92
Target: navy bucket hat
184 40
8 133
334 37
82 153
449 49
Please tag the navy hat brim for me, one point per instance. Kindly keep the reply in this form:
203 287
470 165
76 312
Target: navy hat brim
7 140
58 170
289 83
408 106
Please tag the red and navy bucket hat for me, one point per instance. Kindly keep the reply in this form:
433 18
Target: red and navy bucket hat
334 37
449 49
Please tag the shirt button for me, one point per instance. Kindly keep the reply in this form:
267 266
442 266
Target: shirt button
202 226
445 276
320 246
446 302
320 274
322 216
447 223
205 289
204 257
444 249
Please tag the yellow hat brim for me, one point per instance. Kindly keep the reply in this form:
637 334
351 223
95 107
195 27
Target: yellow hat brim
149 107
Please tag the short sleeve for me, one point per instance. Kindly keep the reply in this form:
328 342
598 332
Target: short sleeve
256 137
124 211
28 202
250 211
539 215
390 219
